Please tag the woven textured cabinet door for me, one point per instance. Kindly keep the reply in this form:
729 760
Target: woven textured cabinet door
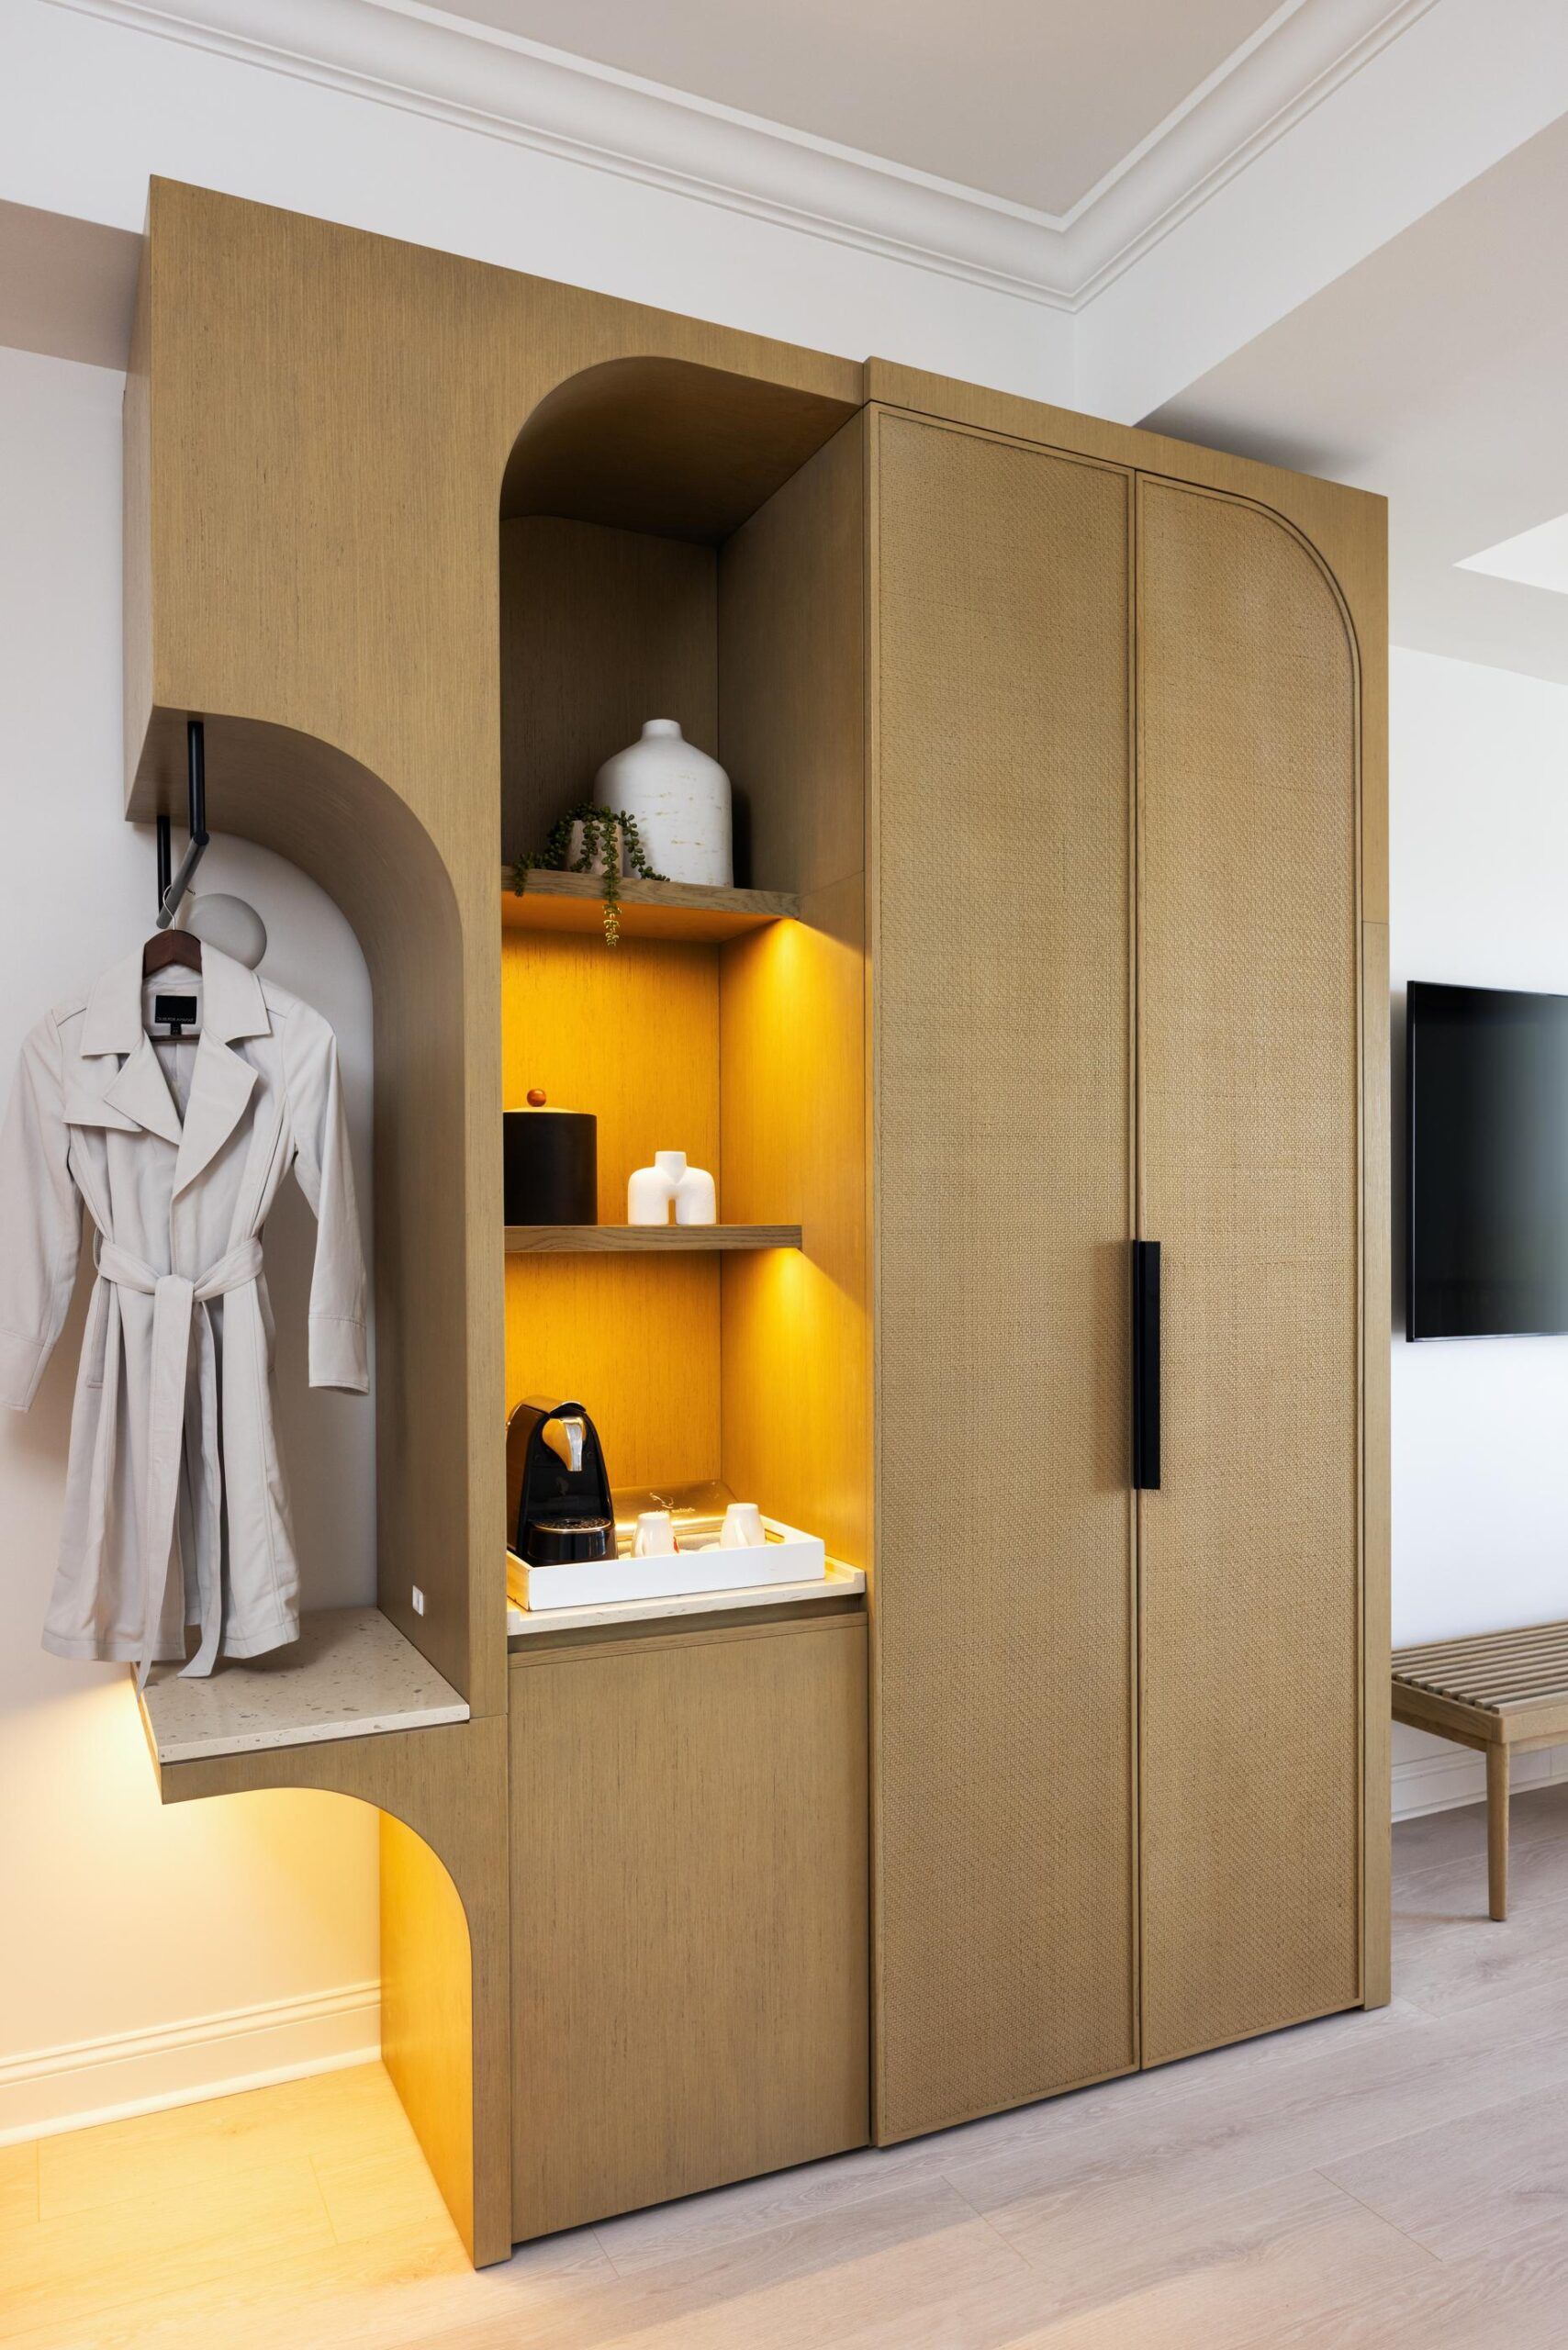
688 1912
1249 1021
1002 1620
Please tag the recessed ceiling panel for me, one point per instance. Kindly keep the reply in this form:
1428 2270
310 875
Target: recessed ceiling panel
1032 100
1537 558
1434 372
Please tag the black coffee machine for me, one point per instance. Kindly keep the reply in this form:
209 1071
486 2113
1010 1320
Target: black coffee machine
558 1507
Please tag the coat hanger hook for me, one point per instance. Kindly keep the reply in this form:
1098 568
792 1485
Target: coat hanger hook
170 893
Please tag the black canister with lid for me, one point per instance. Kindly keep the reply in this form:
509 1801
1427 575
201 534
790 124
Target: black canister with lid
551 1169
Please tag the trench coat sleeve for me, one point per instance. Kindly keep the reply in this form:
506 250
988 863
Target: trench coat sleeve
41 1218
338 1354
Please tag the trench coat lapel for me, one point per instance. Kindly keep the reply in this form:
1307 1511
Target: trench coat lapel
86 1108
141 1094
222 1080
136 1095
220 1087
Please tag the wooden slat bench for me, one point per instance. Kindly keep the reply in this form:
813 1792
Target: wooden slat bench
1501 1692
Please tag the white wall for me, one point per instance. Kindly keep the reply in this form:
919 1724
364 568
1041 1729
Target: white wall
128 1926
1479 851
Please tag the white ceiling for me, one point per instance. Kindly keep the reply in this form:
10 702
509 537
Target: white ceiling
1033 101
1436 372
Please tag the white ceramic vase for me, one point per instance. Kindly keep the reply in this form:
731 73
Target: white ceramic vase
669 1183
680 798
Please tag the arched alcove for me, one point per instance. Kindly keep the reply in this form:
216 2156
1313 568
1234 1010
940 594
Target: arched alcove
440 1794
664 446
426 1976
622 497
686 542
349 831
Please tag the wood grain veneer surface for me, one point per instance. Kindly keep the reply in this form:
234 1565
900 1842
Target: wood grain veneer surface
1003 1605
689 1889
1250 1020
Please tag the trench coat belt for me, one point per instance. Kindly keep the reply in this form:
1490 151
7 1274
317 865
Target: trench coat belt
178 1306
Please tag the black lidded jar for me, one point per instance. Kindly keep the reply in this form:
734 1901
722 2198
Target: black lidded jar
551 1166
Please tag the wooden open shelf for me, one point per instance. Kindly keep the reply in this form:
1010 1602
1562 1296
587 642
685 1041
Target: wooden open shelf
619 1239
649 909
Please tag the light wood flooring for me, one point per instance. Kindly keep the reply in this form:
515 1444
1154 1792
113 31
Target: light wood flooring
1399 2179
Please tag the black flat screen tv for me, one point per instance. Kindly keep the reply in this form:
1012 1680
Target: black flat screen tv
1486 1252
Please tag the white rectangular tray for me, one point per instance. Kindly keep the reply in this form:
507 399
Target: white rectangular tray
839 1582
786 1556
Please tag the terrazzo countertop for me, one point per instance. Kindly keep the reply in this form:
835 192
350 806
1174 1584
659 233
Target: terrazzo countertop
350 1674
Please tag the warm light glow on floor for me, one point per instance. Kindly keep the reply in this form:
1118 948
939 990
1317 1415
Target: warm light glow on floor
158 1922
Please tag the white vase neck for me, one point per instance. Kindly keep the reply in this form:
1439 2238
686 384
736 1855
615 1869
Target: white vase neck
661 729
670 1163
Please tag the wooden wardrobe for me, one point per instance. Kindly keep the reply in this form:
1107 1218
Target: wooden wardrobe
1058 934
1122 1747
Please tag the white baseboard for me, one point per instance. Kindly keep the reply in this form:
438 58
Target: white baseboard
88 2081
1451 1776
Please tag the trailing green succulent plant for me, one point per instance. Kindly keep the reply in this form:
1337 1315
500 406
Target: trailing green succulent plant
607 837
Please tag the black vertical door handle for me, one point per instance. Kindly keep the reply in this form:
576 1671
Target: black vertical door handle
1146 1366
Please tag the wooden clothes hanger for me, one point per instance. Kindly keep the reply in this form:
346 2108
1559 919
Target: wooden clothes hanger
168 946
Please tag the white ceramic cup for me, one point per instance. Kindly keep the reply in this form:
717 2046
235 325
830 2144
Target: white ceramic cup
654 1538
742 1529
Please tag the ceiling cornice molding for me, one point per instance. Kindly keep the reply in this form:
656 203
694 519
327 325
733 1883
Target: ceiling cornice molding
449 69
1307 51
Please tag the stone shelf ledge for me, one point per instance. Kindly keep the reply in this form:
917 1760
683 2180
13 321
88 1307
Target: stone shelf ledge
350 1674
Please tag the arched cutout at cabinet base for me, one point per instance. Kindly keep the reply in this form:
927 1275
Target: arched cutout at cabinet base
445 2022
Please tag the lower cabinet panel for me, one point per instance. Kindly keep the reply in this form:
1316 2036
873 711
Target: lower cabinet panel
688 1866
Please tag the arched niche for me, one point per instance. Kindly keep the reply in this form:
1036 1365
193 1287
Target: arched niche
625 494
427 1984
664 445
684 541
446 2040
353 834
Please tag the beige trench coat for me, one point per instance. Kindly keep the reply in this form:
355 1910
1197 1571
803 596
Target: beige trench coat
175 1508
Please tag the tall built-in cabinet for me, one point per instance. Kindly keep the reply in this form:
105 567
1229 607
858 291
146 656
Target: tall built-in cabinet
1117 778
1058 754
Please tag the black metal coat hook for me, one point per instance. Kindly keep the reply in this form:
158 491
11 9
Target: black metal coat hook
169 892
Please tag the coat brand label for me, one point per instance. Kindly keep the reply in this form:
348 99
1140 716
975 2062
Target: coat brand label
175 1012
